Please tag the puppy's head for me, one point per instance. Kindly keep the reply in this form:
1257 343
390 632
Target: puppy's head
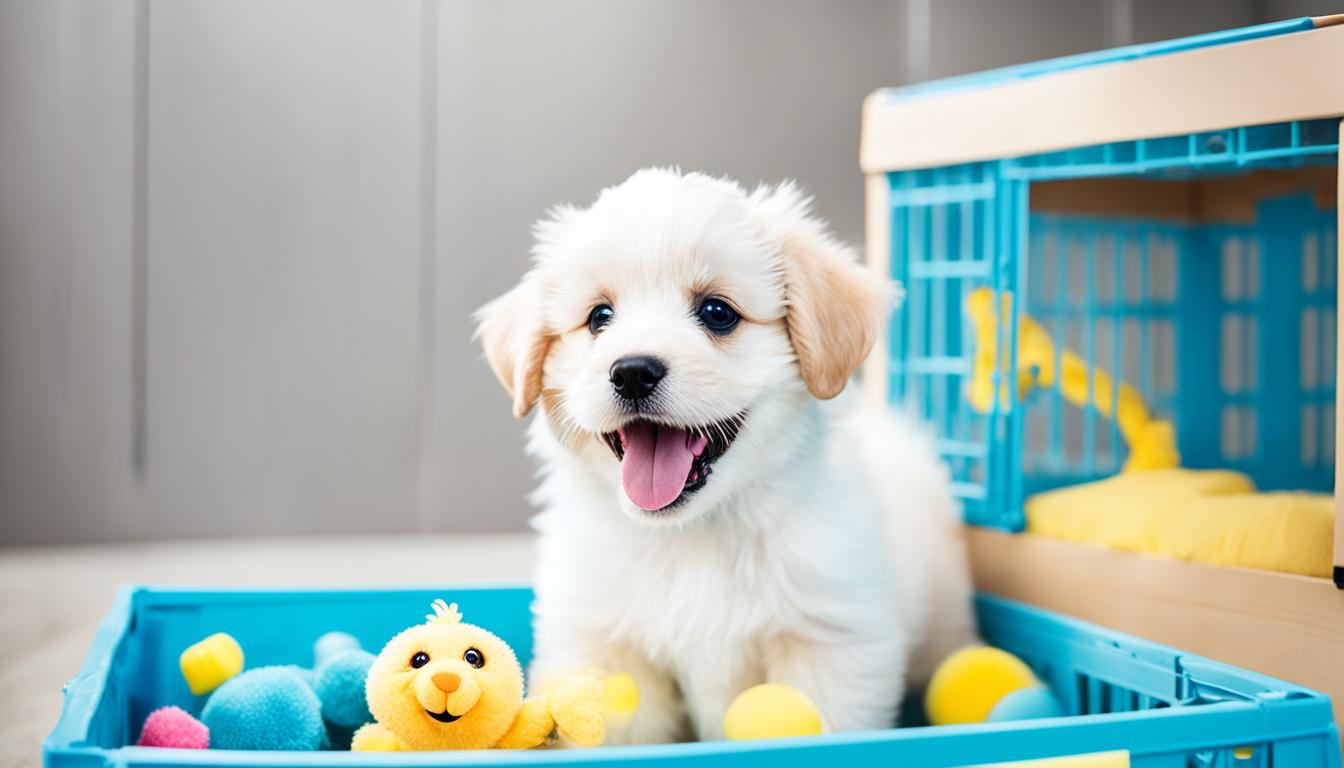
681 322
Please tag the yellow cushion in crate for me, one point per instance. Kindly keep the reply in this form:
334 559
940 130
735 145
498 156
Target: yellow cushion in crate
207 664
1205 516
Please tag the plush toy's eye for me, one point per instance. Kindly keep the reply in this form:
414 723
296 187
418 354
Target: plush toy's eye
420 659
474 657
599 317
717 316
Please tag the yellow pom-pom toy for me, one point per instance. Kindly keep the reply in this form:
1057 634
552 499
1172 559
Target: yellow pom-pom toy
982 684
620 698
209 663
771 712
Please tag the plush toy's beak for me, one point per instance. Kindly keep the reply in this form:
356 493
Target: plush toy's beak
446 681
447 690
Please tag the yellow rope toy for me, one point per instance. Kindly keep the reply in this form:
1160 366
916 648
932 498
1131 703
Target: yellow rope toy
1152 442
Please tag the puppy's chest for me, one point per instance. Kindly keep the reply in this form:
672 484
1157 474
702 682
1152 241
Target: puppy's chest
707 592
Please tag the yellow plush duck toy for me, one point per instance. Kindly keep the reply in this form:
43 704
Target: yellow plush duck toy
449 685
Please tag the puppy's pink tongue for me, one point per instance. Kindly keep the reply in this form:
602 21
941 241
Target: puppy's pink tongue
657 461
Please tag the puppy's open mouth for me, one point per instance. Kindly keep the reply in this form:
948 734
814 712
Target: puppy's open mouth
662 465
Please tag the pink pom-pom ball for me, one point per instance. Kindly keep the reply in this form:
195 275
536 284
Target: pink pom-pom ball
173 727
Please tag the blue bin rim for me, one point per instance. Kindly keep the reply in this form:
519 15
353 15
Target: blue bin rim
1296 711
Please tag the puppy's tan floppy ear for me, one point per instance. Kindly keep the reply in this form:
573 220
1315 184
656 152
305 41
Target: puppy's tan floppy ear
836 306
516 342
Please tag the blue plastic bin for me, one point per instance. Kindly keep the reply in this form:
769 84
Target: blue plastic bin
1169 709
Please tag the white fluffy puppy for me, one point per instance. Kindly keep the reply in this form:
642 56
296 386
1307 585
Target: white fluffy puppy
708 521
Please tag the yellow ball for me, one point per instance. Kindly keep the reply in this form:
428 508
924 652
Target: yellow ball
771 712
620 698
207 664
968 684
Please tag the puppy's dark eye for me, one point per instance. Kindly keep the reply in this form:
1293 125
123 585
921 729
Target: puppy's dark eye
474 657
717 316
420 659
599 317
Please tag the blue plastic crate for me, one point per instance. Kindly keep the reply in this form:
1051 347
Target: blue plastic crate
1168 709
1237 405
1227 330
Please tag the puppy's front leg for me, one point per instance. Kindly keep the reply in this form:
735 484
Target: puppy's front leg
856 685
709 688
661 715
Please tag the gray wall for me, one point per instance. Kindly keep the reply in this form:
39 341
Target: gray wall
240 240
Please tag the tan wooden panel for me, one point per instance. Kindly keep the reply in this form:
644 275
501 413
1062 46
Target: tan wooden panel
1339 378
1212 198
1288 77
877 253
1291 627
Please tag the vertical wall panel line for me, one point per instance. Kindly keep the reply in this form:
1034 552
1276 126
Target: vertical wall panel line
426 401
1118 23
140 248
918 30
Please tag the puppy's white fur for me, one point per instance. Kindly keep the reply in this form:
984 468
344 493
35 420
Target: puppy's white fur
823 552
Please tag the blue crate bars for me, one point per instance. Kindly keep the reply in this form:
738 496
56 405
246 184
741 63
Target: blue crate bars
1183 311
950 234
1104 288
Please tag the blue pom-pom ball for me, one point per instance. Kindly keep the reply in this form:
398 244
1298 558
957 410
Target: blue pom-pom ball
332 643
269 708
339 684
1026 704
306 675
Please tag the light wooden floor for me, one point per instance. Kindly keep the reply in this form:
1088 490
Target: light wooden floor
52 599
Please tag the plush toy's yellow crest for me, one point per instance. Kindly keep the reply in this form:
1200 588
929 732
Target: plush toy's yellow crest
444 613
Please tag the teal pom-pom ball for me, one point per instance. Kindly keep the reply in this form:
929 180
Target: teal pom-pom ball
269 708
339 683
332 643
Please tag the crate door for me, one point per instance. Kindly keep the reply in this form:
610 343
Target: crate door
953 231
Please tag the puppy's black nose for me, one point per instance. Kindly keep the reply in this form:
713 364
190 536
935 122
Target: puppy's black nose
634 377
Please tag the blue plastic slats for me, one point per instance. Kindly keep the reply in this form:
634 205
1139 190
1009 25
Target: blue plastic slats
1088 304
1060 332
1089 245
1270 146
1014 245
941 222
1199 284
1280 234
